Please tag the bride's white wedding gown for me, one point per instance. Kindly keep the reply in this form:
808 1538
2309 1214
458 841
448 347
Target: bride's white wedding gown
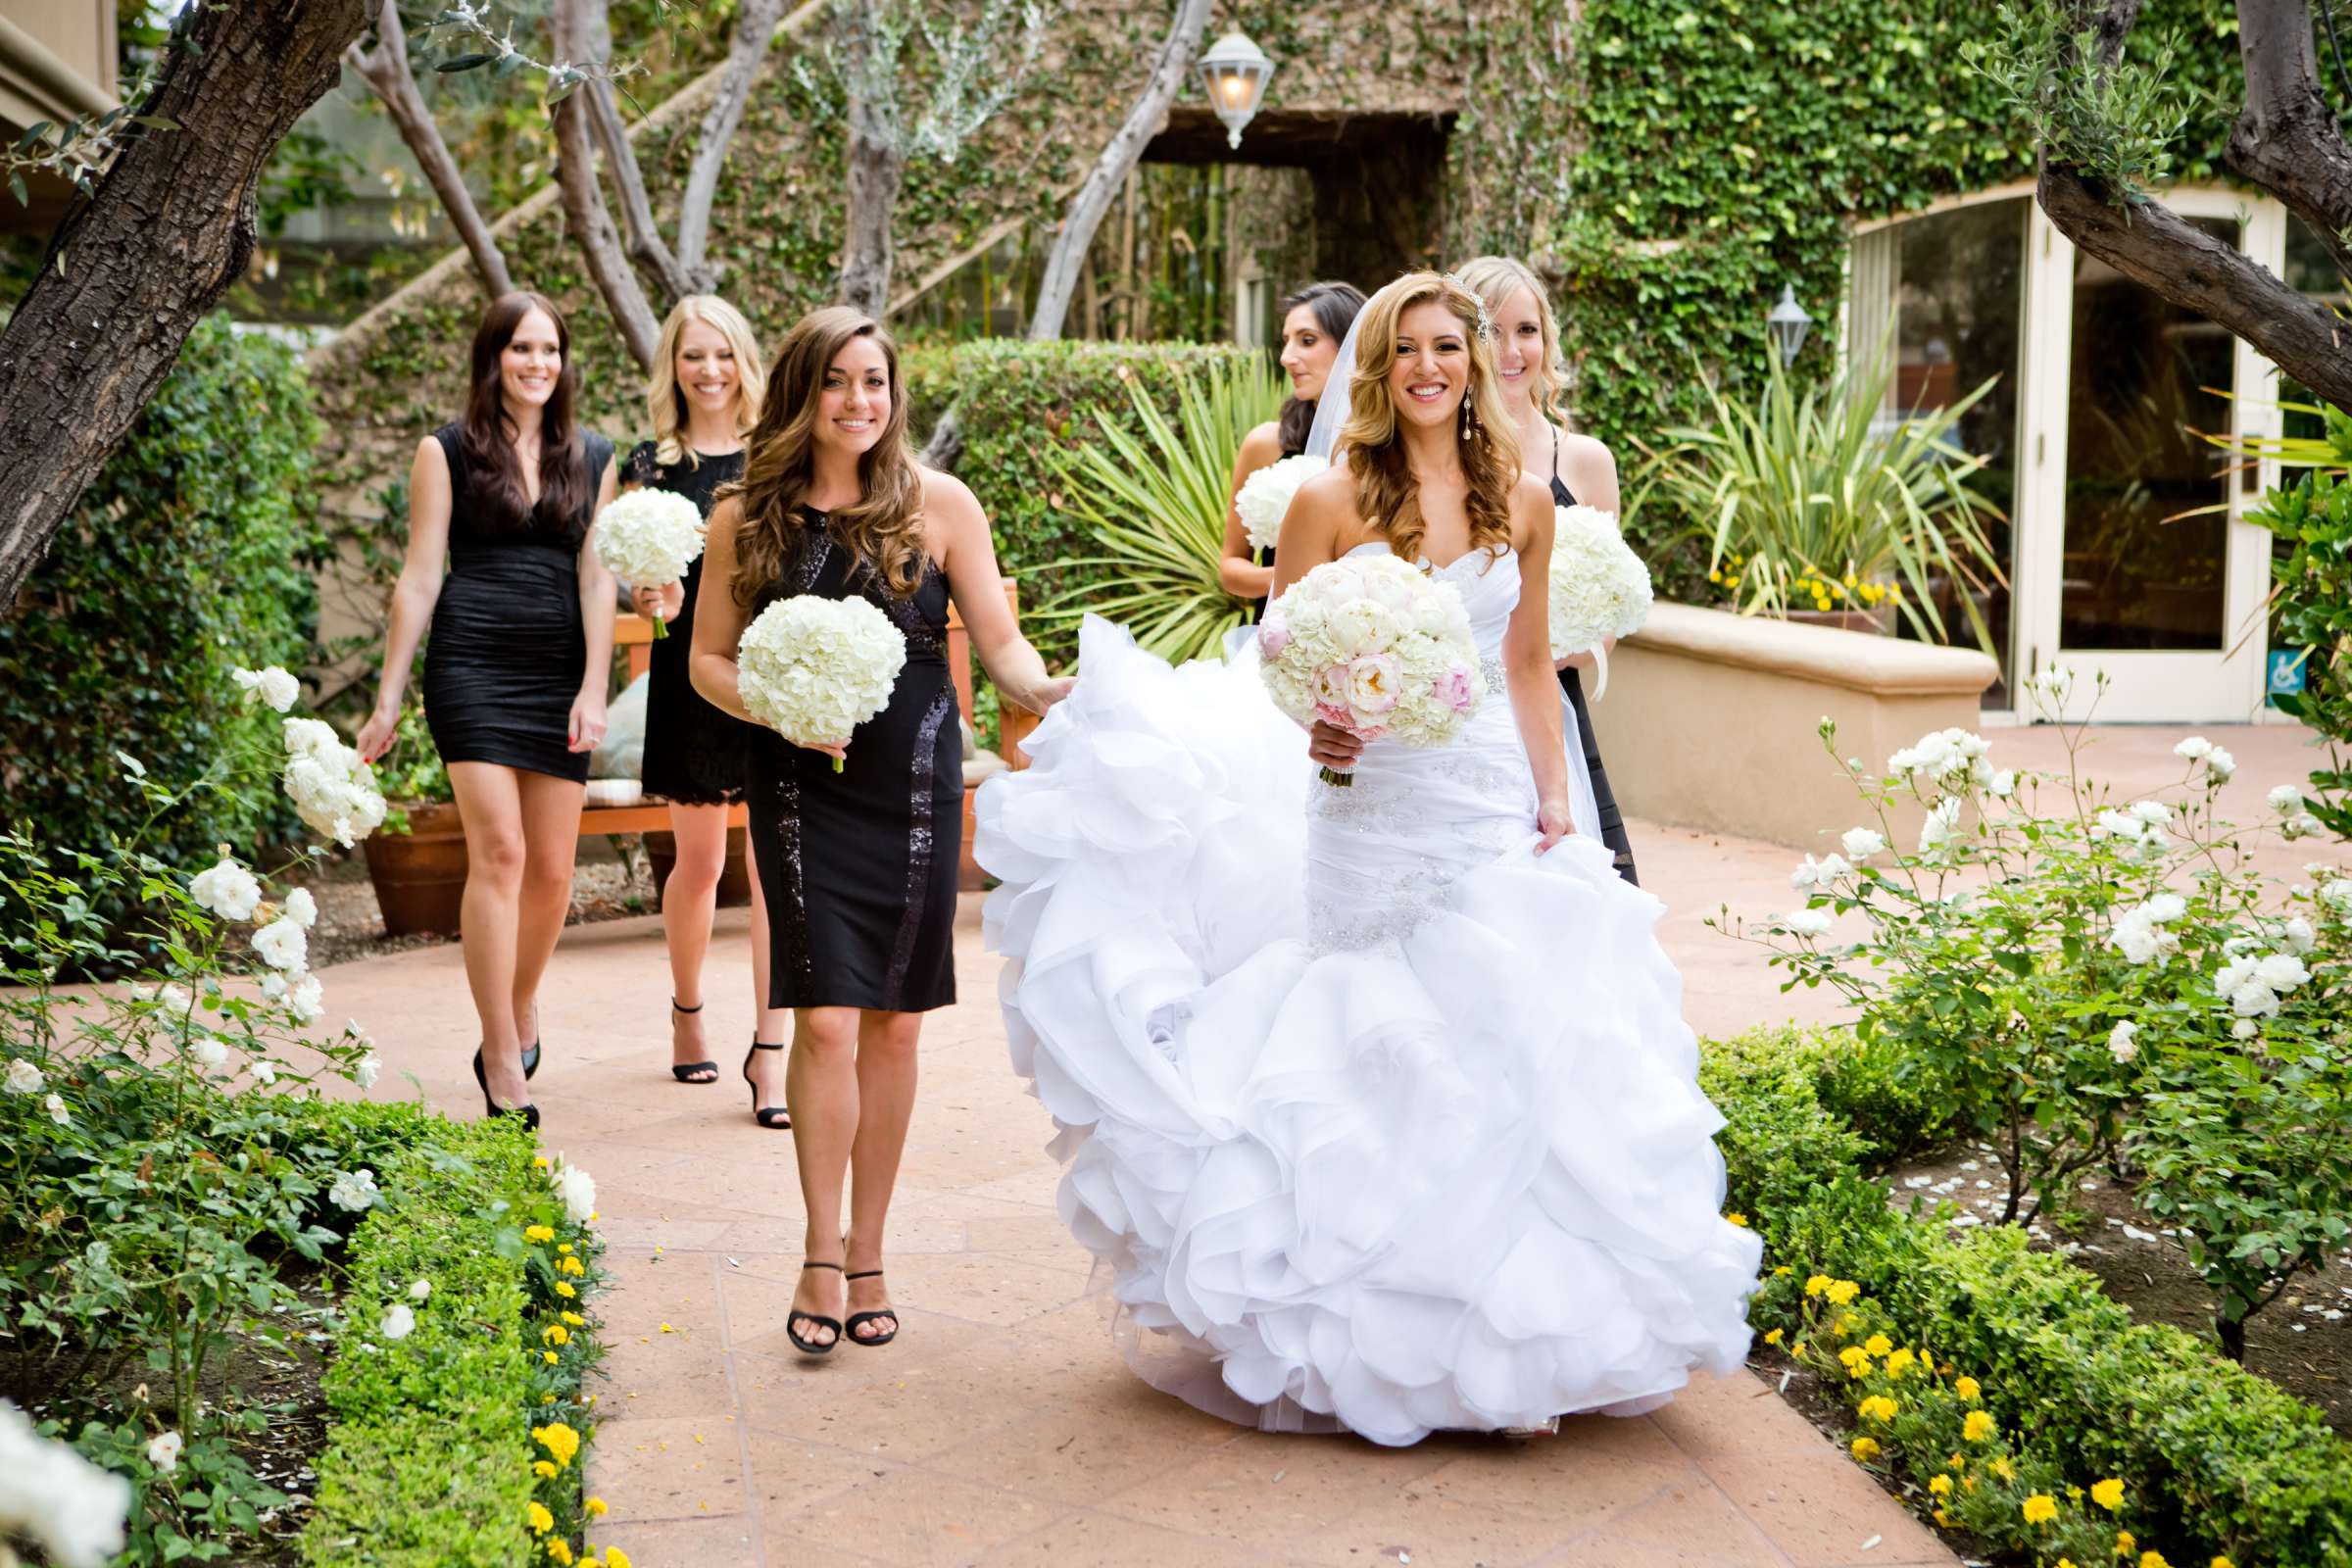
1381 1120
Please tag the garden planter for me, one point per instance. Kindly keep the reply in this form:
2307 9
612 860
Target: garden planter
734 880
420 875
1876 622
1711 720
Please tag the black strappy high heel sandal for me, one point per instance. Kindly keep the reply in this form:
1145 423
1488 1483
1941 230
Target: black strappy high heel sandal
529 1115
775 1118
681 1069
849 1329
794 1320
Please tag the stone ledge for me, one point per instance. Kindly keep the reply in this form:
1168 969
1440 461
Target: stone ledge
1879 667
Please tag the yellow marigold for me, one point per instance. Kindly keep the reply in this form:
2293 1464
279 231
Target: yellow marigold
539 1233
1739 1220
1841 1291
559 1439
1944 1518
1847 1323
1772 1336
558 1553
1878 1345
550 1358
614 1557
1782 1272
1967 1389
1955 1462
2003 1468
544 1469
541 1520
1878 1407
2108 1493
2066 1562
597 1507
1940 1485
1977 1427
574 1267
1816 1284
2074 1493
564 1248
539 1160
576 1320
2040 1508
1866 1449
1899 1361
2223 1562
564 1290
556 1334
2125 1544
2153 1559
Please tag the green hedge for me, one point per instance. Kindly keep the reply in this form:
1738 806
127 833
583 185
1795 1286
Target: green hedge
2228 1460
1023 409
185 558
429 1454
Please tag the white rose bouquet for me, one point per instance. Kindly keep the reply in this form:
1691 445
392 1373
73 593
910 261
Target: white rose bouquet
1266 495
332 790
648 538
1600 588
1375 648
814 669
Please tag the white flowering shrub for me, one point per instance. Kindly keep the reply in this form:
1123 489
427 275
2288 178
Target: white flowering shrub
2084 978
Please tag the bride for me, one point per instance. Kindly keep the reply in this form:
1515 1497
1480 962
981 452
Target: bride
1376 1102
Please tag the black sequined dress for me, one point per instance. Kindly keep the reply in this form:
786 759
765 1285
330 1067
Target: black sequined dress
507 651
693 751
1612 820
859 868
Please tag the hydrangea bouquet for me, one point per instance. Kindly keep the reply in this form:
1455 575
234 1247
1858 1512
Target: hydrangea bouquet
814 669
1600 588
1375 648
1265 497
648 538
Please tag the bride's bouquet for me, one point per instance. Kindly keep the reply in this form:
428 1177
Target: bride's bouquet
814 669
648 538
1600 588
1266 495
1375 648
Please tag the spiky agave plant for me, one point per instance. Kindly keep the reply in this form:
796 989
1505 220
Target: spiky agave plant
1156 504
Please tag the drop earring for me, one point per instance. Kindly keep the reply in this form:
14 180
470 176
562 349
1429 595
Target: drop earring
1467 421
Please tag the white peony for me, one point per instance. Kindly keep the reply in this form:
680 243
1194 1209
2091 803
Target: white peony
2119 1045
399 1322
1806 922
23 1078
281 944
814 669
1265 497
272 686
1861 843
163 1450
51 1495
354 1190
302 909
333 792
228 889
1376 647
648 538
1600 588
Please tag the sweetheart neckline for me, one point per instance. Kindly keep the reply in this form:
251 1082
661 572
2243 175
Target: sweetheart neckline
1431 566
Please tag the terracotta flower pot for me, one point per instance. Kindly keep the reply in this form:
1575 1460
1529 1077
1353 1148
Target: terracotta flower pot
420 875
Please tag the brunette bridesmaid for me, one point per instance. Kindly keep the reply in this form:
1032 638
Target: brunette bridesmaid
1314 322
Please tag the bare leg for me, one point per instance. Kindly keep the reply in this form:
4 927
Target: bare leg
689 898
886 1077
490 805
770 1024
821 1089
551 835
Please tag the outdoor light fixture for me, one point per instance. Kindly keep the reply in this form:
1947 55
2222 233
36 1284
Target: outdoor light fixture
1787 324
1234 72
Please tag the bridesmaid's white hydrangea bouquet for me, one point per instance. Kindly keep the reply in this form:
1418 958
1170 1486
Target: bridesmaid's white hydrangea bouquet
1266 495
648 538
814 669
1375 648
331 789
1600 588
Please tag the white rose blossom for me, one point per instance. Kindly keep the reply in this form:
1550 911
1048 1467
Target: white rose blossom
281 944
2245 1029
420 1288
1806 922
2003 785
1819 874
1265 497
210 1054
367 1071
1942 821
302 909
2300 826
264 1070
1861 843
55 1105
23 1078
272 687
2299 936
72 1509
307 1000
2120 1043
2336 893
162 1451
354 1190
576 1188
398 1322
2220 764
227 890
2286 799
2195 747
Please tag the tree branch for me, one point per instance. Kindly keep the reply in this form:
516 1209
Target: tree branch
586 28
2285 140
592 228
2173 259
1125 148
867 253
386 70
755 30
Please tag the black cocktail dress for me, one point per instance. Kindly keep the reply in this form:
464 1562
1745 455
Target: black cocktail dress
693 751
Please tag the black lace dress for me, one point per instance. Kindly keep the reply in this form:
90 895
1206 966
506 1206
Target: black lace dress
1612 820
693 751
506 654
859 868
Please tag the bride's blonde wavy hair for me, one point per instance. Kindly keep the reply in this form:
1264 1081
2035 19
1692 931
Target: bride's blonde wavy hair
1387 496
884 528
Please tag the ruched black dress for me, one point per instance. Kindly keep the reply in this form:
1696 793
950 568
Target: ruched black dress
1612 820
506 651
859 868
693 751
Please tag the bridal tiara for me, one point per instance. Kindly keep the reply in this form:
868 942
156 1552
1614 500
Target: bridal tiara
1486 319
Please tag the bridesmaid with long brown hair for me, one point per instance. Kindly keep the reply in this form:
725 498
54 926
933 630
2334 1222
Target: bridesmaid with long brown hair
517 670
858 867
1314 323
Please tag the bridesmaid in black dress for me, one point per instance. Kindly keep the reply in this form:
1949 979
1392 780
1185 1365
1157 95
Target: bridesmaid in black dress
519 661
704 396
1527 356
1314 322
858 867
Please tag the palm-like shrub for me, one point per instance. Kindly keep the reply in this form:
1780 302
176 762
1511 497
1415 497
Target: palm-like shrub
1156 505
1813 491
